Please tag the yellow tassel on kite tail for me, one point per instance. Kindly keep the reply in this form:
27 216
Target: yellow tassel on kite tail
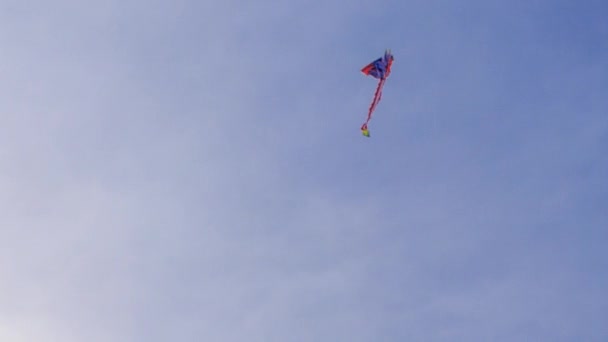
364 130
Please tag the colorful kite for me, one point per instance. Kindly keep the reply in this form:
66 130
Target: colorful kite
380 69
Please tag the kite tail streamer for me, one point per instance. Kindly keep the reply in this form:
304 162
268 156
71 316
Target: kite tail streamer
372 107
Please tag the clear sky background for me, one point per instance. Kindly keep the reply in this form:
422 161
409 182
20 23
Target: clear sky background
194 171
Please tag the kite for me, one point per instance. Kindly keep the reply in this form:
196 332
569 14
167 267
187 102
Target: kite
379 69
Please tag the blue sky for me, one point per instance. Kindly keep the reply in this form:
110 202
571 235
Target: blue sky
194 171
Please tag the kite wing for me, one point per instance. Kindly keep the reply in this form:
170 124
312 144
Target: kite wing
373 68
379 69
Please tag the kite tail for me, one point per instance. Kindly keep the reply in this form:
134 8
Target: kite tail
372 107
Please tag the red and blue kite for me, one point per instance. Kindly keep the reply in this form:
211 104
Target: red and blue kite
379 69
